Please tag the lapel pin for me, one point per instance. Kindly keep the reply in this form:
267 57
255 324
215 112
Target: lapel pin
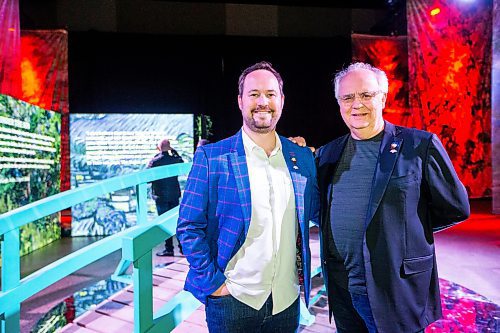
295 167
393 150
294 161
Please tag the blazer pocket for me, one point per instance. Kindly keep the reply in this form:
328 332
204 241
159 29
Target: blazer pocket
417 265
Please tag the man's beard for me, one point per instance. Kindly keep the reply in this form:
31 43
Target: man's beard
258 125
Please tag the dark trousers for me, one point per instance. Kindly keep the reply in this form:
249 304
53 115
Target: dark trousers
352 312
162 207
228 315
362 306
347 319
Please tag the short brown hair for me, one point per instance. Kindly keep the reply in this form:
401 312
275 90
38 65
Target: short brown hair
260 65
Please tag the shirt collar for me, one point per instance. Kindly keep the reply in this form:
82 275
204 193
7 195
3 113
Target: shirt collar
250 145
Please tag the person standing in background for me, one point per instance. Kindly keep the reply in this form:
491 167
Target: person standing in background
166 191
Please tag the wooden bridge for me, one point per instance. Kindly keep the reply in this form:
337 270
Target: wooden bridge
116 314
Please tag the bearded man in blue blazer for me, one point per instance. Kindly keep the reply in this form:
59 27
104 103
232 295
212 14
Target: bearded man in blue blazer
244 217
384 190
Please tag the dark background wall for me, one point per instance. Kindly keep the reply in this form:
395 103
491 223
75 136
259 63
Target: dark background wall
185 57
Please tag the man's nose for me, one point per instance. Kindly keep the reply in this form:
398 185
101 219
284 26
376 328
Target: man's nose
357 102
262 100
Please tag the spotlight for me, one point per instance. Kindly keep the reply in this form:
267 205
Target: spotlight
435 11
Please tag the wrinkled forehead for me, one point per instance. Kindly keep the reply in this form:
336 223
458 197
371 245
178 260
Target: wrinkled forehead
359 80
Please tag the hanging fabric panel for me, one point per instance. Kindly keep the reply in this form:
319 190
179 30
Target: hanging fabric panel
450 82
391 55
10 51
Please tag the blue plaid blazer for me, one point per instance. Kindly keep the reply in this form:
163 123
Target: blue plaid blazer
215 211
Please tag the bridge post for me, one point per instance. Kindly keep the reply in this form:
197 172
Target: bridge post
142 203
11 275
141 191
143 293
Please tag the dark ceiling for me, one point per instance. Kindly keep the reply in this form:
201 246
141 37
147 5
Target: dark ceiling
311 3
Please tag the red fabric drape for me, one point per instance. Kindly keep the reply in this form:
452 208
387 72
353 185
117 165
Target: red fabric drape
450 82
391 55
495 107
44 63
10 50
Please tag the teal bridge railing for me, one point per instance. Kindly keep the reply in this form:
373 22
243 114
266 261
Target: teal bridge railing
135 243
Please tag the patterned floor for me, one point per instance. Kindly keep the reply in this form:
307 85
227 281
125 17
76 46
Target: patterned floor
463 309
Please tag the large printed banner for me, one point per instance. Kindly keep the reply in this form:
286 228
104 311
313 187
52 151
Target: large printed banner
108 145
391 55
29 165
450 82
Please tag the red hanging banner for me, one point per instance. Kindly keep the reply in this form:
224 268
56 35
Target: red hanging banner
10 50
450 82
391 55
44 63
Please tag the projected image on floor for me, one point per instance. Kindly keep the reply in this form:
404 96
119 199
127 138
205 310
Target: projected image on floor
108 145
30 141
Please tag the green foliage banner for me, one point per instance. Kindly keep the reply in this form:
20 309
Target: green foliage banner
30 157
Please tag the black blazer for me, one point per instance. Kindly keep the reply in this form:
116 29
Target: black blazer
415 192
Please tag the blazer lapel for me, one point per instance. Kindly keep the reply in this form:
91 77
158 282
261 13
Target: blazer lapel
328 164
238 162
337 153
388 155
296 169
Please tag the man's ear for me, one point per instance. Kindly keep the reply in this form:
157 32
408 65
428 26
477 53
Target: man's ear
239 102
384 99
282 101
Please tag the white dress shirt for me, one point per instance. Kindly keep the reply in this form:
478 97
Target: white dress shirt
266 262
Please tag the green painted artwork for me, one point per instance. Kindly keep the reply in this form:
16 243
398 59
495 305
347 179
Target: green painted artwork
30 155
